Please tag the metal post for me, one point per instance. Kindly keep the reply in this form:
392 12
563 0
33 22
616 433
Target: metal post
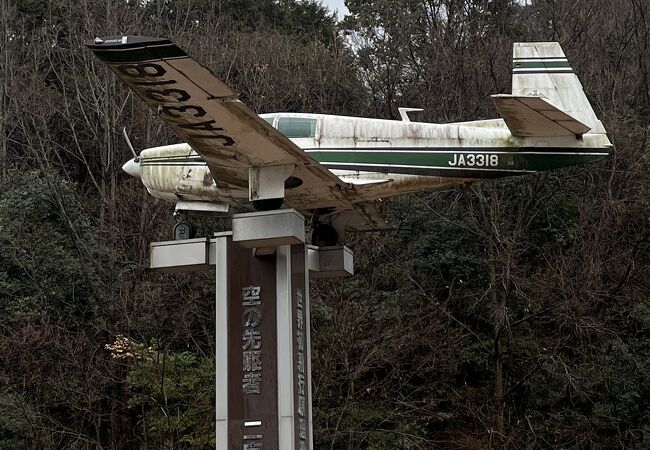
285 347
219 252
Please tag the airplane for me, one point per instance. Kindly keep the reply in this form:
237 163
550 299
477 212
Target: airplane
334 169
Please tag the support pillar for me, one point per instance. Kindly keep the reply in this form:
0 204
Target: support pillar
265 309
263 347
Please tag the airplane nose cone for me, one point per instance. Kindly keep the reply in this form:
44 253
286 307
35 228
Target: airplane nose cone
132 167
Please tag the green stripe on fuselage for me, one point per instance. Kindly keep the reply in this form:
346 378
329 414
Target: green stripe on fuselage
488 159
540 163
540 64
422 158
477 160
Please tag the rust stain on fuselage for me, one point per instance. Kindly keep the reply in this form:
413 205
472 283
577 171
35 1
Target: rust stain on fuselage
207 179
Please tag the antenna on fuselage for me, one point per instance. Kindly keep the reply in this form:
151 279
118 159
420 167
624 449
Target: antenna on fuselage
136 158
403 113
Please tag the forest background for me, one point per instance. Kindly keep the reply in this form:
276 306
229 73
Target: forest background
509 314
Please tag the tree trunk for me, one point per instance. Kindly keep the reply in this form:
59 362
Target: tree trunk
499 322
4 80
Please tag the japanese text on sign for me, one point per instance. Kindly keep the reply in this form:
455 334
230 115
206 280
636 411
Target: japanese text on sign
252 340
301 369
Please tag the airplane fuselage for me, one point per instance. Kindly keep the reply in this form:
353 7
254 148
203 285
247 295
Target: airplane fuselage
382 158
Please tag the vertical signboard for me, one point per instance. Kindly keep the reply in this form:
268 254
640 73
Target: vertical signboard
252 350
263 392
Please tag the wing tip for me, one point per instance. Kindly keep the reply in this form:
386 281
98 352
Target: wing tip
125 41
133 49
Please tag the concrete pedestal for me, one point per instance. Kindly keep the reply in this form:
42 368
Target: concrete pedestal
263 348
263 393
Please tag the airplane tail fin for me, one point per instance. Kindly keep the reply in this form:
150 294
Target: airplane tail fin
541 69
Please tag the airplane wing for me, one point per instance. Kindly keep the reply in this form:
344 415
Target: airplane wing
206 114
364 217
534 116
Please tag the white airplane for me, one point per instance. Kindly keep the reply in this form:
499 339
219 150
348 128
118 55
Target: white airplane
335 168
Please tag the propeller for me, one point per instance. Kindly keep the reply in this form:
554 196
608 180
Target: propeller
136 158
132 167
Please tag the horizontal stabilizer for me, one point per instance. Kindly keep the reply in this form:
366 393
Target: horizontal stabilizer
534 116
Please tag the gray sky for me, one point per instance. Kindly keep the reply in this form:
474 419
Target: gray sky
336 4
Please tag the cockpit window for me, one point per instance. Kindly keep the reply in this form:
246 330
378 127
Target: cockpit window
269 120
297 127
